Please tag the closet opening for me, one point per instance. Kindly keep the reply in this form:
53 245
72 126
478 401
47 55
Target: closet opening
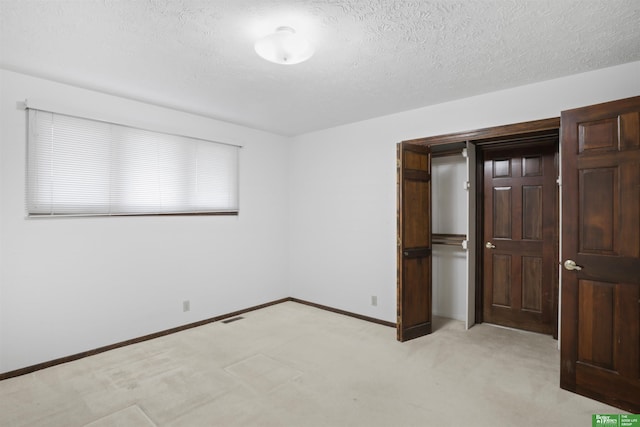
445 267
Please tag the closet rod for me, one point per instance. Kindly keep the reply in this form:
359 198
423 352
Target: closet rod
448 239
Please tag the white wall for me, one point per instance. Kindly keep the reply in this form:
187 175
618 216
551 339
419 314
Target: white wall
343 184
69 285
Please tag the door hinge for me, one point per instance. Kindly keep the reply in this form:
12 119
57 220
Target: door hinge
398 163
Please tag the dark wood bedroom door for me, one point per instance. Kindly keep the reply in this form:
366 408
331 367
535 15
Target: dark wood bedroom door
520 216
414 241
600 304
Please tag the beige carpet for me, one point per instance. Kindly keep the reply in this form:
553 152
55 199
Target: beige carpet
294 365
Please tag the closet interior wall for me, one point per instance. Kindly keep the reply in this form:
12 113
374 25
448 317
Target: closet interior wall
449 221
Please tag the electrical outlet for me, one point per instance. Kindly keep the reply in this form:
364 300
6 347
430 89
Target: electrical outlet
374 300
186 305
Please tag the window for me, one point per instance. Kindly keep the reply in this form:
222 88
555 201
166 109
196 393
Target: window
77 166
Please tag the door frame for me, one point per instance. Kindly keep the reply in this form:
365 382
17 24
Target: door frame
514 134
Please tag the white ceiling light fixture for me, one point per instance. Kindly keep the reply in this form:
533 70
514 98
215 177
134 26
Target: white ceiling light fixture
284 46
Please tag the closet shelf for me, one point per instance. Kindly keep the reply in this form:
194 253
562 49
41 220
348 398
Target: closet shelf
448 239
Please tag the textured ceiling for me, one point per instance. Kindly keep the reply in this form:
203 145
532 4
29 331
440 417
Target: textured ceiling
373 57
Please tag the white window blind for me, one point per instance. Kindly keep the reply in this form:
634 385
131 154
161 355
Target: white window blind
78 166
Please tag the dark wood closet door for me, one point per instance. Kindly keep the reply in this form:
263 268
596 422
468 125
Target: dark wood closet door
414 241
600 304
519 237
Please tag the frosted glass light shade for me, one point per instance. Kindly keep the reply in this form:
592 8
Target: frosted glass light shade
284 46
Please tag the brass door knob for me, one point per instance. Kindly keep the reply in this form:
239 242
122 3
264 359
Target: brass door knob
571 265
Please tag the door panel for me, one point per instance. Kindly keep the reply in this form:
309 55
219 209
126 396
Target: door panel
520 219
501 280
502 208
598 203
414 241
532 212
532 283
595 346
600 315
416 301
